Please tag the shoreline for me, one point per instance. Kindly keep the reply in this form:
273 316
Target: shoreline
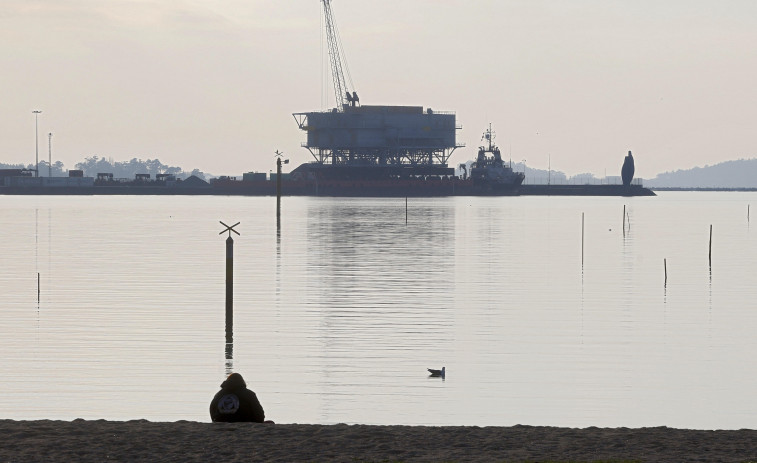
141 440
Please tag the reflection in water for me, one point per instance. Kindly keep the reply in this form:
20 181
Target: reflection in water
384 293
278 277
709 294
665 288
278 254
36 251
582 303
628 270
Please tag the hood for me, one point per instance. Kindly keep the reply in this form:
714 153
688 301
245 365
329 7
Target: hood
234 381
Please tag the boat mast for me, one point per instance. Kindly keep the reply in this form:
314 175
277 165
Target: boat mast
489 135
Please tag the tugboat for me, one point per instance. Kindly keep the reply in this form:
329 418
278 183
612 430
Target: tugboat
490 173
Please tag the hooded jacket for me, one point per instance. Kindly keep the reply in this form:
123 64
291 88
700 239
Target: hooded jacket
234 402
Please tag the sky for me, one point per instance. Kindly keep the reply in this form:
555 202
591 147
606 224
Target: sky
210 84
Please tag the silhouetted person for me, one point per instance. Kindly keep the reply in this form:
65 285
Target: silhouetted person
234 402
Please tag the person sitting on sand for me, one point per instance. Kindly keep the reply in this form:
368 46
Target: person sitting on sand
234 402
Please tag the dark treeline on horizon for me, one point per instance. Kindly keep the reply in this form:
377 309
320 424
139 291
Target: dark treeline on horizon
120 169
740 173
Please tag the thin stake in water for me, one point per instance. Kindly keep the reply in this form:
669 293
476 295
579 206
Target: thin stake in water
710 254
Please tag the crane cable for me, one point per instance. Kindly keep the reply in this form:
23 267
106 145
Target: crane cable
342 52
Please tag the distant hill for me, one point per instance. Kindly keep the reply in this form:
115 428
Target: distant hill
741 173
737 174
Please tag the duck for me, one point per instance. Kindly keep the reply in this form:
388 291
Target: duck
438 373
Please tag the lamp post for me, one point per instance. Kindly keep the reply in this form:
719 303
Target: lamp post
36 142
50 154
524 170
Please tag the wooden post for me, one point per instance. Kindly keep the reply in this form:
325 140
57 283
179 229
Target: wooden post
229 347
582 239
278 182
229 286
229 283
665 263
405 210
37 287
278 187
624 218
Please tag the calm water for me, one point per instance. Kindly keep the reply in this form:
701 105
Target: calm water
339 314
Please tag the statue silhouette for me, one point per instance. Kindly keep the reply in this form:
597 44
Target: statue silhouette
626 172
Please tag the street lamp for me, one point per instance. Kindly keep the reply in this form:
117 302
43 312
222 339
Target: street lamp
50 154
524 169
36 142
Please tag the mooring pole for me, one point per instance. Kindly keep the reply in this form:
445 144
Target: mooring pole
278 182
229 347
229 282
278 185
229 279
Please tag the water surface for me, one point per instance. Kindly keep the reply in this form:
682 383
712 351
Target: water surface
339 311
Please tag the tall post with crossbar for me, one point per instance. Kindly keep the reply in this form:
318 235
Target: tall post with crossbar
229 294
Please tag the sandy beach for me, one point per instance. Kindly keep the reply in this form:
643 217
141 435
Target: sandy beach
96 441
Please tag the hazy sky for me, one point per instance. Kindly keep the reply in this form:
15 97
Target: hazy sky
211 84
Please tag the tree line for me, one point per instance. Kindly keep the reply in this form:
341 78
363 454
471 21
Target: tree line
93 165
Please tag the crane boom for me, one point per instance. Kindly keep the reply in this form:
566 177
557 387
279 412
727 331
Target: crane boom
342 94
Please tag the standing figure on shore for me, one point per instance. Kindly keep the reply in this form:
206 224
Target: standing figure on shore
626 172
234 402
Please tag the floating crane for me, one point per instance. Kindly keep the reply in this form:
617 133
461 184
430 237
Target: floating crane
342 94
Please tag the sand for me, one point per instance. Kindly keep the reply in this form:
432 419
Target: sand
97 441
